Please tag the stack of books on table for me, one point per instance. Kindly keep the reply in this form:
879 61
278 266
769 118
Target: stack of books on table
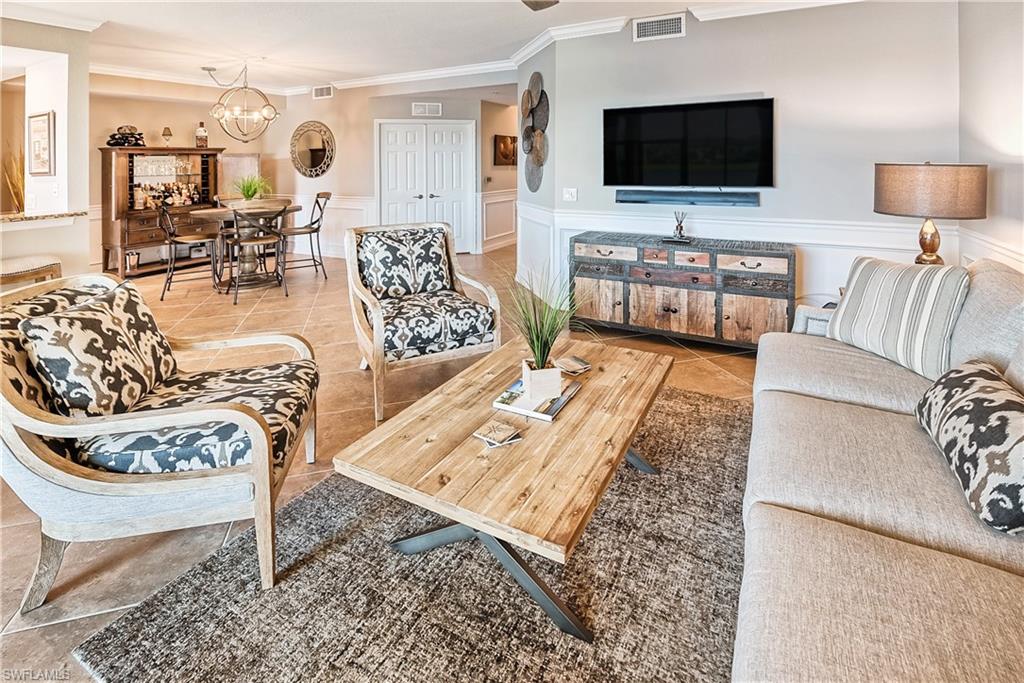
572 365
497 433
513 400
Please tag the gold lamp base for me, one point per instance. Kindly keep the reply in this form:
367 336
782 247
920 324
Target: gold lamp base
929 240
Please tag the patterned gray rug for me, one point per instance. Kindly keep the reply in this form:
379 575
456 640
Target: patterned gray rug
656 576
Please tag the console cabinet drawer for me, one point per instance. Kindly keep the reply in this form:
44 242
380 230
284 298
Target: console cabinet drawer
753 264
658 256
598 299
760 284
138 237
695 259
143 223
746 318
600 269
682 277
608 251
686 311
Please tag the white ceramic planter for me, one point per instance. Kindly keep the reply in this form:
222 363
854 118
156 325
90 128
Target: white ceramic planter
541 384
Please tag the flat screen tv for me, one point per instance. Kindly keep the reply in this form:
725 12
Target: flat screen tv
708 144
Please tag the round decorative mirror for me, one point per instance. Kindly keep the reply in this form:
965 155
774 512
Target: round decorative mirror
312 149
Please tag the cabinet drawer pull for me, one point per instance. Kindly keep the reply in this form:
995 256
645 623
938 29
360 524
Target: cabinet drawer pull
726 317
647 274
753 283
665 309
695 279
753 267
604 253
618 303
675 310
692 259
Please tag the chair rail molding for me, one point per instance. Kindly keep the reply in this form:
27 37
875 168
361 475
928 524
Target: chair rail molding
825 248
498 218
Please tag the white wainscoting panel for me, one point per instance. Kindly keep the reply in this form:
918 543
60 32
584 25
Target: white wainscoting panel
343 212
498 218
825 248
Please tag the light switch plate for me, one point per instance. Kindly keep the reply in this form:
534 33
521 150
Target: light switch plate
569 194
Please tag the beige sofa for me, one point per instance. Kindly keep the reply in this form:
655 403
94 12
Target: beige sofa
862 559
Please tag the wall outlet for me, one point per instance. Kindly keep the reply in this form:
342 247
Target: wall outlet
568 194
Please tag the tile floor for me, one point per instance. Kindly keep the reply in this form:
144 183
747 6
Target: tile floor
98 581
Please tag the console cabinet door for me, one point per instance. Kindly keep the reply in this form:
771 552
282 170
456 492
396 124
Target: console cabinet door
598 299
746 318
673 309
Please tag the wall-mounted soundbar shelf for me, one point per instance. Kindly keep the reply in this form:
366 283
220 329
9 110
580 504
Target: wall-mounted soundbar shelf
688 197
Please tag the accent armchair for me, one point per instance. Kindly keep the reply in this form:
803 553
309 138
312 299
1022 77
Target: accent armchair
408 302
199 448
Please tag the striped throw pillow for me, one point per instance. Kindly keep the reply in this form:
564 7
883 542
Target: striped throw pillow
901 312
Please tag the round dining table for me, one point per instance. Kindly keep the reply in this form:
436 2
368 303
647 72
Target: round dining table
248 260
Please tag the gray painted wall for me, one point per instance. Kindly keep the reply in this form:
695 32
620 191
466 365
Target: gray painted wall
991 111
853 84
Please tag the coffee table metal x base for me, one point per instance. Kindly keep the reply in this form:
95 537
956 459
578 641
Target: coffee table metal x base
512 561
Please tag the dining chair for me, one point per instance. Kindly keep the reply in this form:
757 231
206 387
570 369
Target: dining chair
312 229
173 238
257 234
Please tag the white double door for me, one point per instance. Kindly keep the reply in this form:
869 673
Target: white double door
427 173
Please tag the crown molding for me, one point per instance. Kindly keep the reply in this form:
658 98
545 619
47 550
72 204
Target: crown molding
710 11
48 17
556 33
427 74
204 82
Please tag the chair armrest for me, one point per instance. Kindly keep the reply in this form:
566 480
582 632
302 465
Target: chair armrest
812 320
487 290
297 342
372 304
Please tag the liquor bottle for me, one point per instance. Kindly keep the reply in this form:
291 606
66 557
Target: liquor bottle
202 138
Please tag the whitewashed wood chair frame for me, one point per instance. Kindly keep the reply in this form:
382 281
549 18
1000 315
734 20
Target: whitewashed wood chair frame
370 333
78 503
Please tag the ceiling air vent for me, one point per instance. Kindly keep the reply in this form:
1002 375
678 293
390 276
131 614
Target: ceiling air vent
426 108
656 28
323 92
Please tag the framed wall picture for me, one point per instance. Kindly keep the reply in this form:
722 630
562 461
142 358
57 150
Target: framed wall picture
41 153
505 150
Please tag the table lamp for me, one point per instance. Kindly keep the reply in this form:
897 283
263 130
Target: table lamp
928 191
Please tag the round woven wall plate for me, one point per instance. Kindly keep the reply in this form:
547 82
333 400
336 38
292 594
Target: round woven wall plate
539 151
536 85
526 104
541 112
534 174
526 139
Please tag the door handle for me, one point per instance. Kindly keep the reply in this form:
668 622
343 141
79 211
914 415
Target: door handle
417 196
433 196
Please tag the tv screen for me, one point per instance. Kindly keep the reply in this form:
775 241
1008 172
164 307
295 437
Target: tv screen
710 144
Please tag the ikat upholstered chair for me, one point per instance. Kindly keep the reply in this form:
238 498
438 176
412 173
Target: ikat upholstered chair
104 437
408 302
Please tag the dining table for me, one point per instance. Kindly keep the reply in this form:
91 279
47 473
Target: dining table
248 260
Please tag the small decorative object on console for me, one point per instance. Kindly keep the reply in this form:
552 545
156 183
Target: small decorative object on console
166 135
126 136
679 236
202 136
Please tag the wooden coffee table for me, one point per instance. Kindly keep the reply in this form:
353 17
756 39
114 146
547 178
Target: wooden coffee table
537 494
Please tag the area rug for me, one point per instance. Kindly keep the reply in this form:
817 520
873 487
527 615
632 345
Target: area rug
656 576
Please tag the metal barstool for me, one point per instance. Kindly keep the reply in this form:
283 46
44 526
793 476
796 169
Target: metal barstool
316 221
172 238
263 233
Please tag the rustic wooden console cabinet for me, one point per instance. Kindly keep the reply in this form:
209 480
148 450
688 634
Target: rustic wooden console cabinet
724 291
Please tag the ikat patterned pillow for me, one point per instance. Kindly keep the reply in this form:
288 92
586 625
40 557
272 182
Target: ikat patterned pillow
99 357
977 420
397 263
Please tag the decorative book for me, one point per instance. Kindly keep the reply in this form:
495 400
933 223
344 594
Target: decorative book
496 433
514 400
572 365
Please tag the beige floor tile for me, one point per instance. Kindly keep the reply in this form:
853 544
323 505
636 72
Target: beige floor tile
655 344
202 327
46 651
12 510
170 314
320 333
275 320
293 302
705 377
342 357
220 307
99 576
705 350
343 391
740 365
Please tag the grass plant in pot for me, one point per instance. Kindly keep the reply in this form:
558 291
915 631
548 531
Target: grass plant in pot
252 187
541 310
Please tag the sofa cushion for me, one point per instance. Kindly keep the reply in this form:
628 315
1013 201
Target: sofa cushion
867 468
991 322
282 393
816 366
18 370
402 262
902 312
101 356
823 601
977 420
436 321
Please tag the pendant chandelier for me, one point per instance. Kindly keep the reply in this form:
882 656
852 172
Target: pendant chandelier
243 112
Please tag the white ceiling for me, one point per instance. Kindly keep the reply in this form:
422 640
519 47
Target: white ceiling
14 60
296 44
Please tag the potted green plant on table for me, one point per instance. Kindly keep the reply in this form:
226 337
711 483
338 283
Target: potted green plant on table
252 187
541 310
